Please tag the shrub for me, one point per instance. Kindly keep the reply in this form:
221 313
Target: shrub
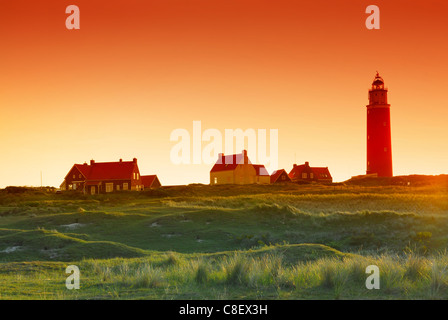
357 269
237 270
201 276
333 276
391 273
172 259
147 277
415 267
439 281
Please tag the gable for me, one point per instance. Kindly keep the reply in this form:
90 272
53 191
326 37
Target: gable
151 181
75 174
297 171
280 176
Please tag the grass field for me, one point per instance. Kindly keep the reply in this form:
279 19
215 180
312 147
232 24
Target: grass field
228 242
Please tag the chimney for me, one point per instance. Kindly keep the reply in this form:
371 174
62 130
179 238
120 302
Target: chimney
92 162
221 158
121 160
85 163
307 164
294 165
246 160
134 160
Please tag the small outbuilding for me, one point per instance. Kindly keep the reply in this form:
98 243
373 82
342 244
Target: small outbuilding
280 176
151 182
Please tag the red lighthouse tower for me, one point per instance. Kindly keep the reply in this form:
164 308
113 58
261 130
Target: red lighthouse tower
379 152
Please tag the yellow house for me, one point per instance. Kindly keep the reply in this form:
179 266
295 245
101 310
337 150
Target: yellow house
237 169
262 175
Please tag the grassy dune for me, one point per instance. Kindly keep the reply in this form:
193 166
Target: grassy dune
227 242
301 271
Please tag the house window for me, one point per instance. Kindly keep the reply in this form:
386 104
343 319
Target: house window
74 186
109 187
137 176
79 176
118 187
125 186
134 175
311 175
304 175
74 176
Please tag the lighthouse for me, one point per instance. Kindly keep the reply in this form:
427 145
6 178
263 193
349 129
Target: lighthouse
379 148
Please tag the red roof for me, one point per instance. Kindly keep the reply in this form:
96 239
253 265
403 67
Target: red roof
84 169
296 171
230 162
148 180
322 173
319 172
97 171
276 174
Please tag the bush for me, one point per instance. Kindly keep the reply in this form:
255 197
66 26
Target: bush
237 270
439 280
172 259
415 267
147 277
201 276
333 276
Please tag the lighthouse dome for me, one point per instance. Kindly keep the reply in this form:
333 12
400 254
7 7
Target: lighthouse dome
378 82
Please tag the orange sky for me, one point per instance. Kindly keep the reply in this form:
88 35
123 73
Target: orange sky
139 69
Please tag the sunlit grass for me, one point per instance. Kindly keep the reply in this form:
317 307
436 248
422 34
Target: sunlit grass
237 275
